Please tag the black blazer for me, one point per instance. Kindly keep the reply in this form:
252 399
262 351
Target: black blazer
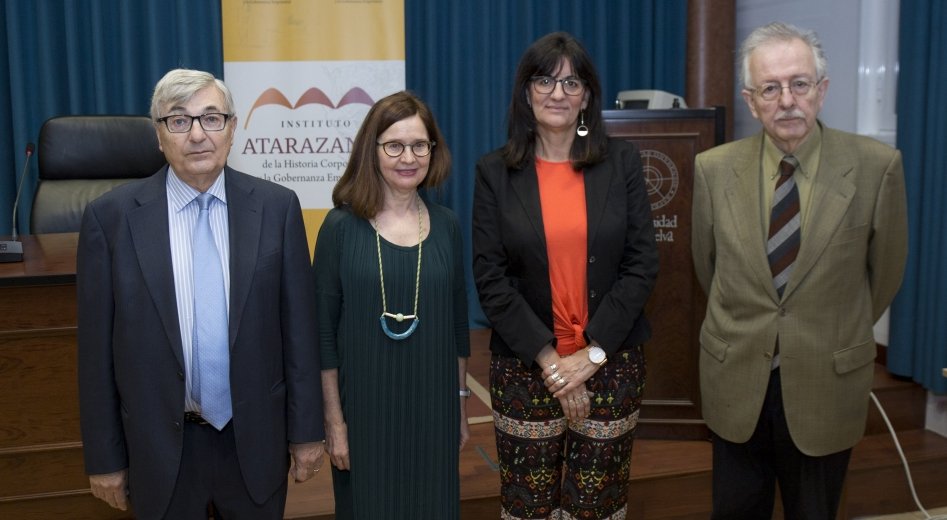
511 268
131 368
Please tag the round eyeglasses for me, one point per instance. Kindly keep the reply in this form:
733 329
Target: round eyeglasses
419 149
546 84
181 123
772 90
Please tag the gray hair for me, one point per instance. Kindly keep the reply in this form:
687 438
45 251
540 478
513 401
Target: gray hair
778 31
179 85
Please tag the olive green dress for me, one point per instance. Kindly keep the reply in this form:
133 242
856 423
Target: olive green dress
399 398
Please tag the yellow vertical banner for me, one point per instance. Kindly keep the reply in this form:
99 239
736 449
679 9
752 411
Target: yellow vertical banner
304 74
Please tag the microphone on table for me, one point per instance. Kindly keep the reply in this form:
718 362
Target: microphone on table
12 250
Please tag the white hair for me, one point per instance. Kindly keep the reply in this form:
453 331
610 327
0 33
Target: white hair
179 85
778 31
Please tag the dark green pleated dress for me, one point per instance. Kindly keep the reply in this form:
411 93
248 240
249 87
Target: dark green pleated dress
399 398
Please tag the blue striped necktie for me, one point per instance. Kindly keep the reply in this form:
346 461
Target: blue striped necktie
210 351
785 222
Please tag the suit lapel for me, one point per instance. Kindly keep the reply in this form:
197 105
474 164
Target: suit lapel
597 181
149 232
526 186
743 186
245 218
832 192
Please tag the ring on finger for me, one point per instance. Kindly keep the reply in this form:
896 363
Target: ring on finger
553 367
556 377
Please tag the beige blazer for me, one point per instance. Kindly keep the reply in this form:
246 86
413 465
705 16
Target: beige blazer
849 268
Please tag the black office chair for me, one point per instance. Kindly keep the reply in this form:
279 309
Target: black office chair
82 157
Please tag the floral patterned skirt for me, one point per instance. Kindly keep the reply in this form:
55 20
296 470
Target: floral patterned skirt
552 468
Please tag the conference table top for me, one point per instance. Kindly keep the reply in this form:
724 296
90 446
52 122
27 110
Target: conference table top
48 259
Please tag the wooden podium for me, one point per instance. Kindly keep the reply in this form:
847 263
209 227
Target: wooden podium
668 141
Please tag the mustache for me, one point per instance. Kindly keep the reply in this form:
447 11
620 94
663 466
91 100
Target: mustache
791 114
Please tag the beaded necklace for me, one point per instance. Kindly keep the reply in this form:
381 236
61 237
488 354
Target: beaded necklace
417 287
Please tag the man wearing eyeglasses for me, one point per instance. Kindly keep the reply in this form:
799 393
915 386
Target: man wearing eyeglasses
799 239
198 375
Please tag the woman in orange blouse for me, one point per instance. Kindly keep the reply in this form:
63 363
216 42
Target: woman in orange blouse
564 260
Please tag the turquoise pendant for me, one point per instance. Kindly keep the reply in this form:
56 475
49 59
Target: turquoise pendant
395 336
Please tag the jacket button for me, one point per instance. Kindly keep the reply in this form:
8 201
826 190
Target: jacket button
593 294
177 426
592 259
782 311
181 375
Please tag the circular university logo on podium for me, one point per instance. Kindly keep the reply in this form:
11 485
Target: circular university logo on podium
660 176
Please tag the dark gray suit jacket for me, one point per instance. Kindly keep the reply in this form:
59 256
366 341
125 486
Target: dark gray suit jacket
131 368
511 268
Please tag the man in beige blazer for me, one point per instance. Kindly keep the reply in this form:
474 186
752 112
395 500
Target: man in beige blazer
786 363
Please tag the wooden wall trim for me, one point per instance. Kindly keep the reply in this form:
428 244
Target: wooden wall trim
711 45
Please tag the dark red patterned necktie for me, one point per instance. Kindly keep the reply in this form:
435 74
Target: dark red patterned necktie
782 245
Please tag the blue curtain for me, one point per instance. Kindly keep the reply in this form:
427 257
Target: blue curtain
61 57
461 57
918 343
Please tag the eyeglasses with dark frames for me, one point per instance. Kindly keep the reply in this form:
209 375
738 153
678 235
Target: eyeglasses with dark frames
546 84
181 123
419 149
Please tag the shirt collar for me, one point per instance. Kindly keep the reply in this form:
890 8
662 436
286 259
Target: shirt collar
180 194
807 154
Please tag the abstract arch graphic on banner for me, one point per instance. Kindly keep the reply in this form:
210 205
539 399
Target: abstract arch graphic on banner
304 74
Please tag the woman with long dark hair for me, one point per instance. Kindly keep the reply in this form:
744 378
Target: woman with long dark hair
564 260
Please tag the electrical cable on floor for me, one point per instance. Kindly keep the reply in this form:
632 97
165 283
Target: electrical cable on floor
904 461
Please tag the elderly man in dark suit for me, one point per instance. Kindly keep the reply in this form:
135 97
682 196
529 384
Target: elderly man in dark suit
198 374
799 240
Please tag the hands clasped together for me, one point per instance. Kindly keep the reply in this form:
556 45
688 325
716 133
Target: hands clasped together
566 379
